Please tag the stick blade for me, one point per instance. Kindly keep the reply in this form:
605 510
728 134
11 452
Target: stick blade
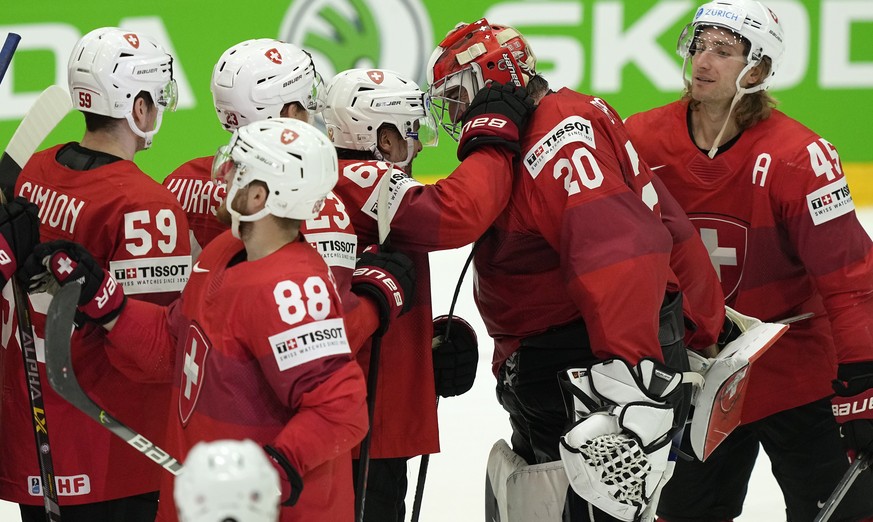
52 105
59 324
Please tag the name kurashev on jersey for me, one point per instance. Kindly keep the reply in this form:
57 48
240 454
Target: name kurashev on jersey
56 209
198 196
309 342
574 129
152 274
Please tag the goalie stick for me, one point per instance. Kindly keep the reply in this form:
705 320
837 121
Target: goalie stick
59 367
50 108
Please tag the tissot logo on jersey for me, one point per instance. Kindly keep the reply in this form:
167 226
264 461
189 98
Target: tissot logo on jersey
829 202
336 248
153 274
571 130
399 184
309 342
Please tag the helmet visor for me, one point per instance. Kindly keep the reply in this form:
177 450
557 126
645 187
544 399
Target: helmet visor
168 96
425 129
224 168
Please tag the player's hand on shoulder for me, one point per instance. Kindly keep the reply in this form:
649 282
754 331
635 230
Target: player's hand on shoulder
19 233
498 116
389 279
852 405
59 262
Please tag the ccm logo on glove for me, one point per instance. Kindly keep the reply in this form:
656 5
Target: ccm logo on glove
383 278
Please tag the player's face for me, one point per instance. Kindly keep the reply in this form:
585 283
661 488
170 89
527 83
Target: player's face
718 56
457 100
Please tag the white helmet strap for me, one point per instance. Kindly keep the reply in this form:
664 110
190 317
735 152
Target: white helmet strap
148 136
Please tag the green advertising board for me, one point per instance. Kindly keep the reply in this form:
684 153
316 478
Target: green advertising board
620 50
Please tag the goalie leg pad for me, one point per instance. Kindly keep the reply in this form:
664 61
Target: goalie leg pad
524 492
616 455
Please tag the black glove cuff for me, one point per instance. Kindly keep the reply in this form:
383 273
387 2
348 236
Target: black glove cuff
368 290
293 476
473 143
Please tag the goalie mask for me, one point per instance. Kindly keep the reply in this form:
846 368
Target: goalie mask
227 480
109 67
469 57
294 159
358 101
255 79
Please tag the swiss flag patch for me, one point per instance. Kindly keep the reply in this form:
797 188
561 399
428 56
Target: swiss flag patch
376 76
193 370
132 39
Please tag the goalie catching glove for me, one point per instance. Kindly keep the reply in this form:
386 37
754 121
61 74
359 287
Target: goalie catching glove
57 263
497 115
616 454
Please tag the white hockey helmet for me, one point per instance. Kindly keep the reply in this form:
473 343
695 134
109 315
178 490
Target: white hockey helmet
254 79
748 19
294 159
358 101
227 480
109 67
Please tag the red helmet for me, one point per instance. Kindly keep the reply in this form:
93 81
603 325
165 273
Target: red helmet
470 56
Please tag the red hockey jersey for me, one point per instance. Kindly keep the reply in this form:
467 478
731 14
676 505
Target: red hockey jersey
136 230
258 350
778 219
581 237
200 197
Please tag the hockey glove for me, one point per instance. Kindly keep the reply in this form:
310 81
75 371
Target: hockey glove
455 357
19 233
498 116
290 480
735 324
389 279
853 405
59 262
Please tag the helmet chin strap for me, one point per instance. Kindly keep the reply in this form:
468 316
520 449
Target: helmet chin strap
740 92
410 147
148 136
236 218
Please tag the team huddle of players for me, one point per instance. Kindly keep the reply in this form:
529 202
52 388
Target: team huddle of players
232 313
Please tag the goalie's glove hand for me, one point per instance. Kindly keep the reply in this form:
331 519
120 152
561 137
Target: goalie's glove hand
389 279
57 263
854 389
19 233
290 481
455 358
498 116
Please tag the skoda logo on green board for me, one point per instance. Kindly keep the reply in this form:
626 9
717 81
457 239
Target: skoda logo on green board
346 34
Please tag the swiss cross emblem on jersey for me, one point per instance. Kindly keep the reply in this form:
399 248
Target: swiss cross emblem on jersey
193 371
274 56
726 240
376 76
132 39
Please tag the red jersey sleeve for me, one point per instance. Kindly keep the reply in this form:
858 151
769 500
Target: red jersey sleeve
818 214
143 340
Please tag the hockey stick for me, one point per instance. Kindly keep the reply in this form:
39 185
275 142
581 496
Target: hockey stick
383 221
50 108
59 367
425 459
7 51
862 462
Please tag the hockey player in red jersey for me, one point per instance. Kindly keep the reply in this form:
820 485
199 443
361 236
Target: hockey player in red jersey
769 198
576 271
93 193
256 347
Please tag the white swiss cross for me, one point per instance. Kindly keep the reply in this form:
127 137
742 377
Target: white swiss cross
191 369
65 265
720 256
376 76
